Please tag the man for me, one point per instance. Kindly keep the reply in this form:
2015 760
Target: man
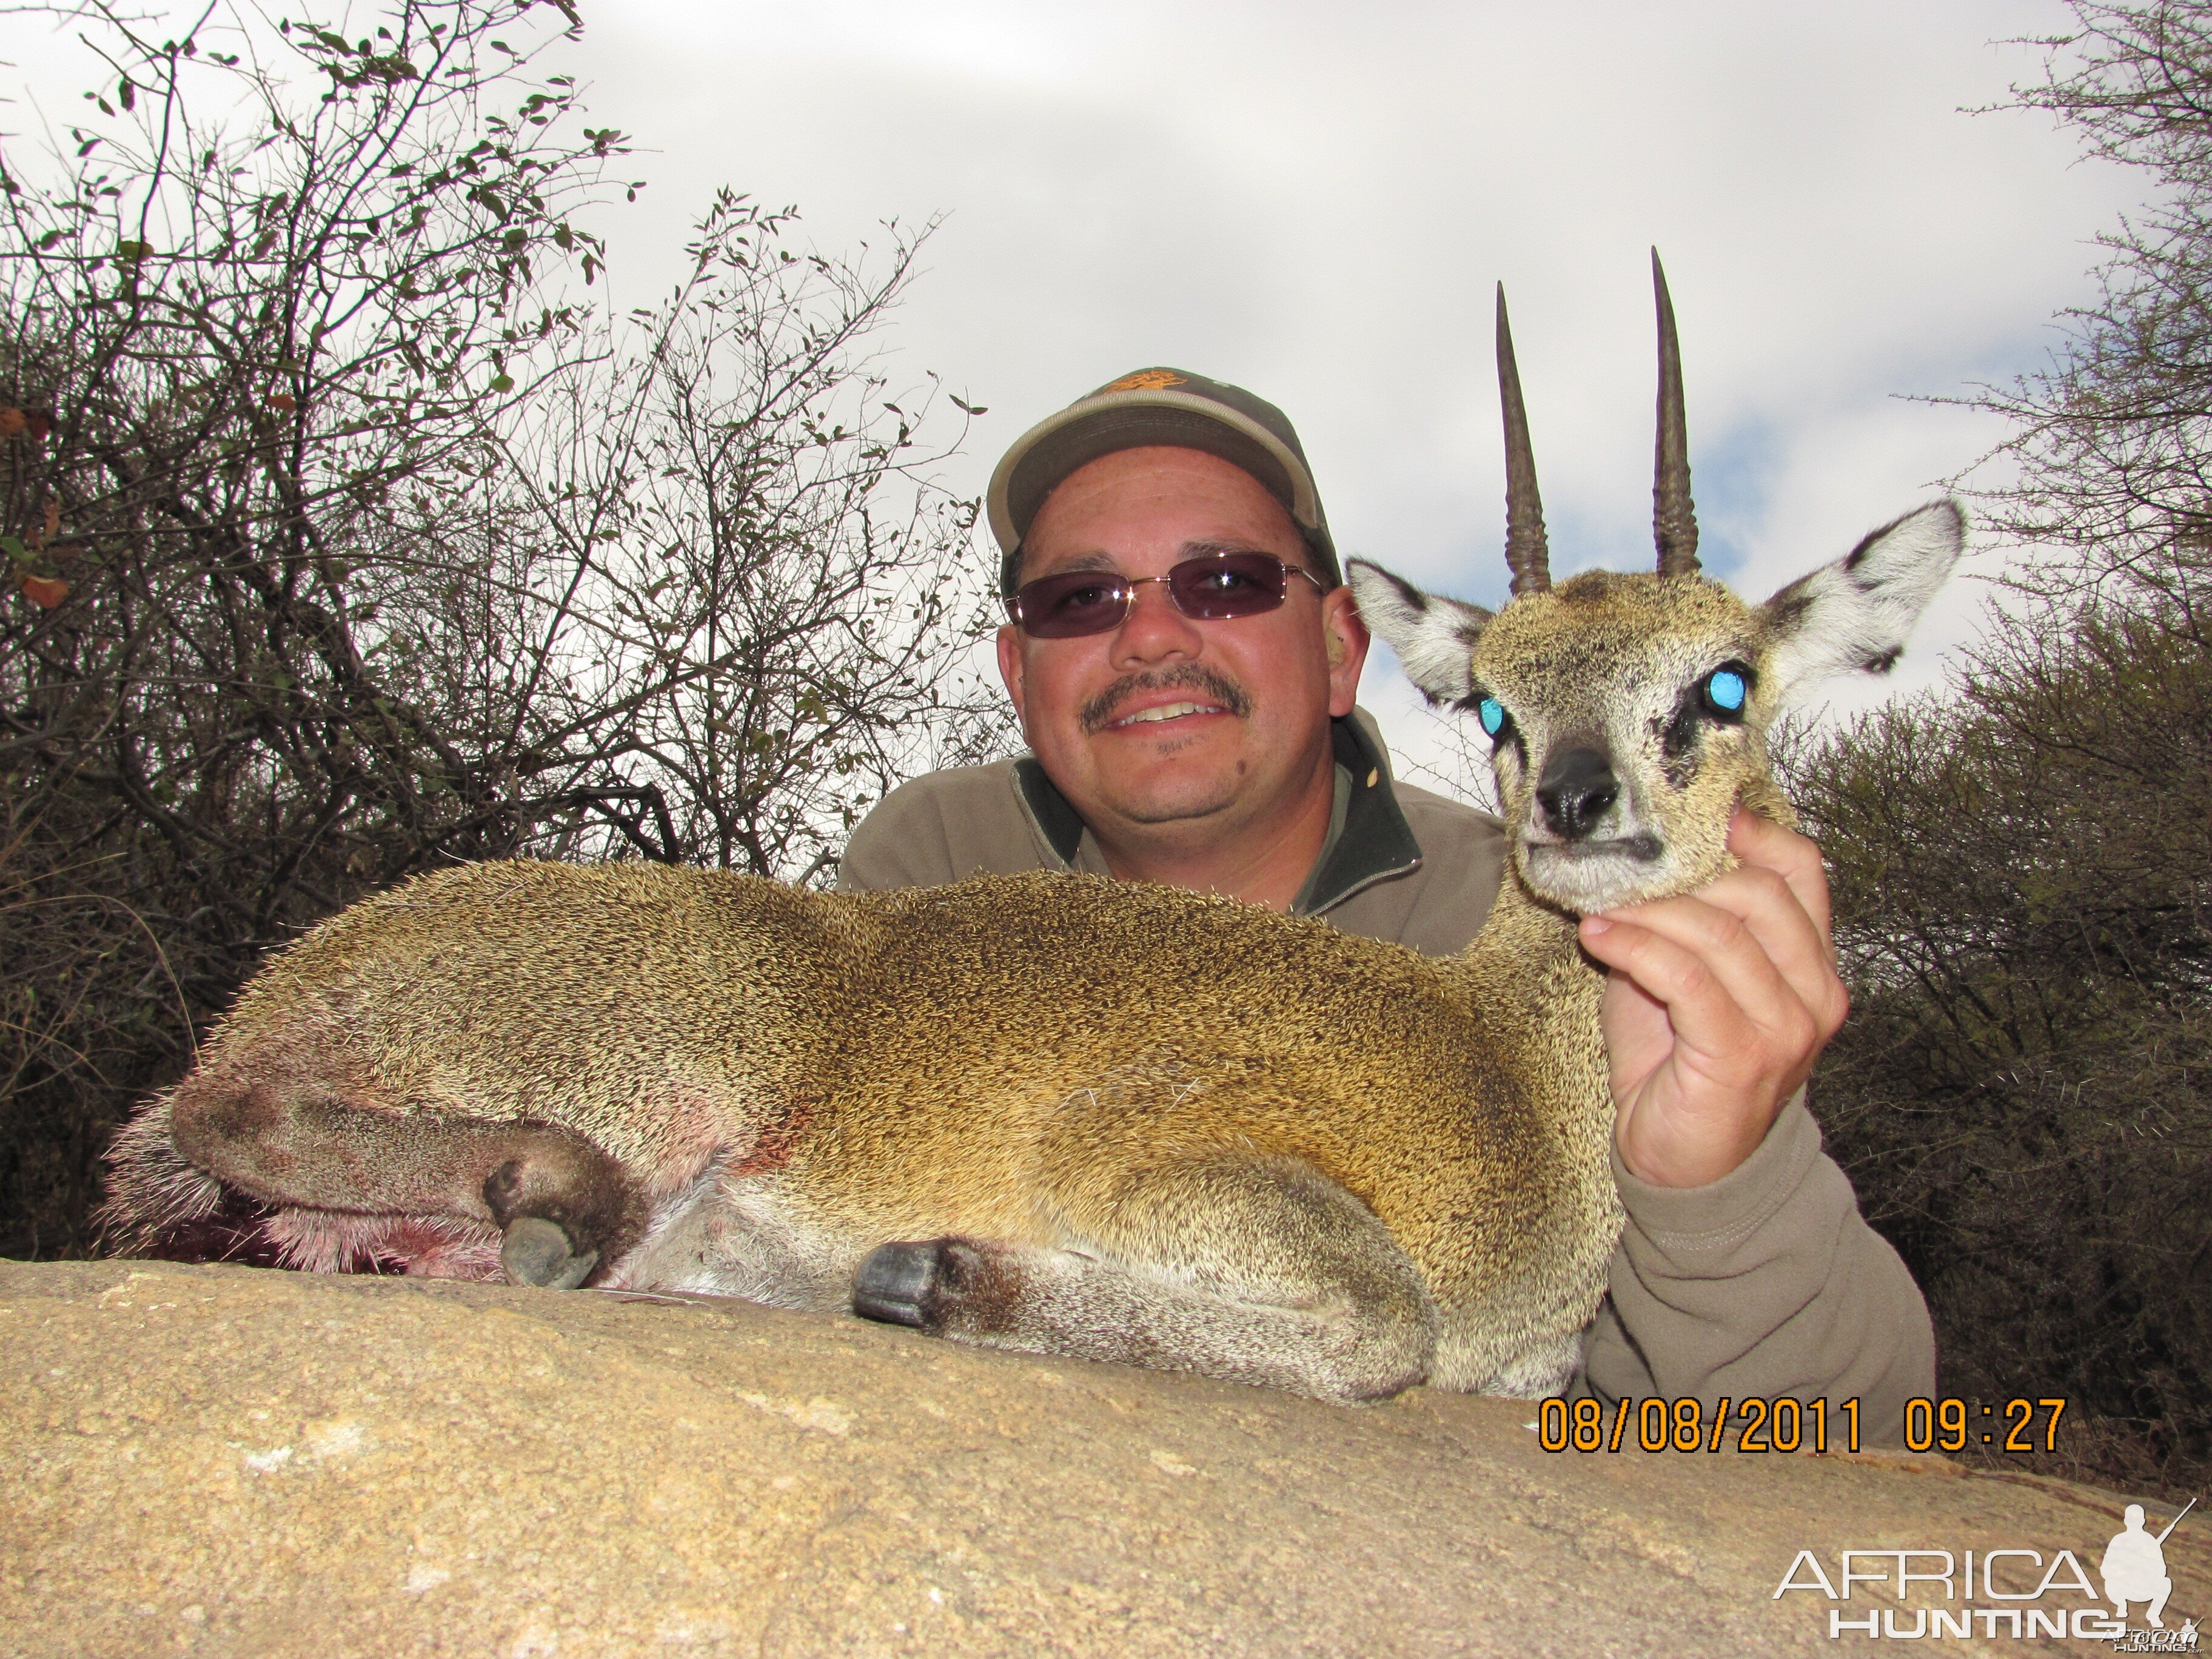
1192 721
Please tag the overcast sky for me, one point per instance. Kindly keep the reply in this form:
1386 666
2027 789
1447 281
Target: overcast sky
1313 200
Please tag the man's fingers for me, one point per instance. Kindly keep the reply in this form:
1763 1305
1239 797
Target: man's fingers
1761 844
1738 965
1768 908
1719 1003
1780 893
1706 1018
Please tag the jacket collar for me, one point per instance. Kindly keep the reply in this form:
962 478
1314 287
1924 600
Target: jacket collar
1376 843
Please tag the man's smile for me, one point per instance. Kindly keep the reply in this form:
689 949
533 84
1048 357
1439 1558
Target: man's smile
1166 711
1187 691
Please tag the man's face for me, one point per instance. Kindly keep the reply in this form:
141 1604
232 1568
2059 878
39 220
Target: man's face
1166 720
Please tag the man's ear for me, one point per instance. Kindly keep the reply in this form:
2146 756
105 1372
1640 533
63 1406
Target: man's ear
1433 636
1010 667
1854 615
1344 637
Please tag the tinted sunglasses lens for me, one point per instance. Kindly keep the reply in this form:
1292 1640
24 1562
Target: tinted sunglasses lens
1068 606
1080 602
1228 584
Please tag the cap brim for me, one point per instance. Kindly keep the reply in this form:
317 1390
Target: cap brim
1137 419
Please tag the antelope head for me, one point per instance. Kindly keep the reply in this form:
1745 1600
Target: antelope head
1627 713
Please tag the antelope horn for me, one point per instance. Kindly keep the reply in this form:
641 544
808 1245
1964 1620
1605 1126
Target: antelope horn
1526 552
1674 515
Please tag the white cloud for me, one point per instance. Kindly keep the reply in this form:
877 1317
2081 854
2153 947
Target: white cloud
1314 200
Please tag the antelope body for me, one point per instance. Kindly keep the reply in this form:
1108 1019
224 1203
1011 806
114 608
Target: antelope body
1053 1112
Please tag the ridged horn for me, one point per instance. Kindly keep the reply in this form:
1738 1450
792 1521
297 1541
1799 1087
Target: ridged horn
1527 554
1673 515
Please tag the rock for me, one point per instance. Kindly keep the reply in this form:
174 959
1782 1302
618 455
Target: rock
225 1460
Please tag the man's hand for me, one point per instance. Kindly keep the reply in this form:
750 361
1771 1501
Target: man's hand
1717 1005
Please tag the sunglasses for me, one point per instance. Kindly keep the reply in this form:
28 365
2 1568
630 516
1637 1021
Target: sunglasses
1216 588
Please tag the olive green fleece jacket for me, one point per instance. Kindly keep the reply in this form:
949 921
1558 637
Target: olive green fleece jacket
1766 1283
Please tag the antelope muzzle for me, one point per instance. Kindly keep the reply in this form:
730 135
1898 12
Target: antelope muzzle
1578 791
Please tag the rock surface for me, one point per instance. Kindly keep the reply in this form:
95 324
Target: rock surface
222 1461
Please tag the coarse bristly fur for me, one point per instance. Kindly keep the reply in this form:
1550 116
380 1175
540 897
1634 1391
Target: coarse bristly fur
1044 1112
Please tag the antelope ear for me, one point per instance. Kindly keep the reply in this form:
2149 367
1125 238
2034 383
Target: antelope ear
1433 636
1854 615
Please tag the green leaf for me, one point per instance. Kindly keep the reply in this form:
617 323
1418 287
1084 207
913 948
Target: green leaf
502 383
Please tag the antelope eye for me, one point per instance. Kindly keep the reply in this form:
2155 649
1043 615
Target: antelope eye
1725 691
1491 714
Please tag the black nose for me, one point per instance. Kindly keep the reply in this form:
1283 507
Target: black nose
1576 790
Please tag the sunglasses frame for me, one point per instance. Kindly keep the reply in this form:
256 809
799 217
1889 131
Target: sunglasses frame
1188 569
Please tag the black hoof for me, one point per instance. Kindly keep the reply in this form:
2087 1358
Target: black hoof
536 1252
905 1284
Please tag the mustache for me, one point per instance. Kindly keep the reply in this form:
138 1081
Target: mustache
1097 714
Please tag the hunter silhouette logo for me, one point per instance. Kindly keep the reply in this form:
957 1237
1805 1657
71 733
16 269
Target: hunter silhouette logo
2004 1593
2134 1567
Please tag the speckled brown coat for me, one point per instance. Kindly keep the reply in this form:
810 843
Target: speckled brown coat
1003 1060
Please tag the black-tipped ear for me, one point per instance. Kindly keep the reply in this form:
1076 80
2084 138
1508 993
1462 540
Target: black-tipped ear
1853 615
1433 636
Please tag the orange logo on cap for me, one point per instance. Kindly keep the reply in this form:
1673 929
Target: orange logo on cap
1147 380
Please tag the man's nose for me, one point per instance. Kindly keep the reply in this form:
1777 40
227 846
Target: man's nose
1154 628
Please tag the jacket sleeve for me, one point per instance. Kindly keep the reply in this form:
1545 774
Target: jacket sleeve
901 843
1768 1282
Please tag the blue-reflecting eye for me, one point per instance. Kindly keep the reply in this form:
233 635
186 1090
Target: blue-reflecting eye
1491 714
1726 691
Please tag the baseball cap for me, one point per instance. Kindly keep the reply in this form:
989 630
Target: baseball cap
1169 406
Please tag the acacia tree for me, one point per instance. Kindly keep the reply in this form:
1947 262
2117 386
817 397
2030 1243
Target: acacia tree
345 540
2111 443
261 288
745 570
2023 873
2023 1095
